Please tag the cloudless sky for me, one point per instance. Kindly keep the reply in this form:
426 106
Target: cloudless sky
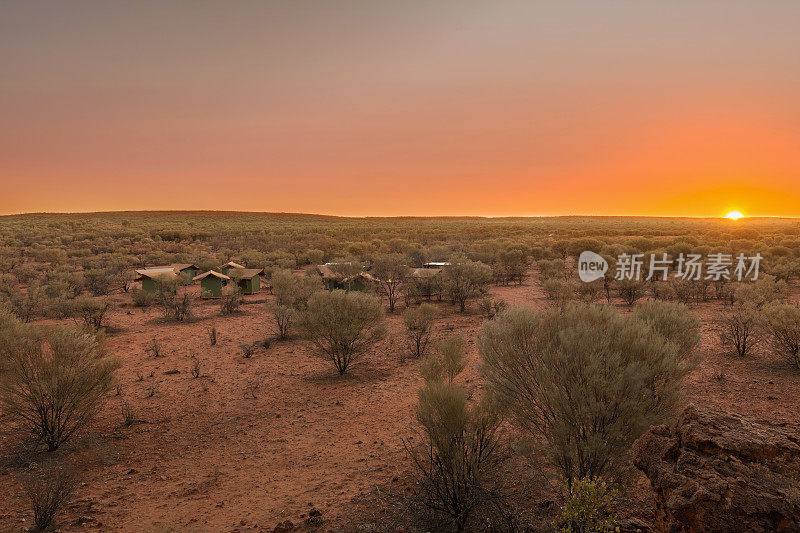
401 108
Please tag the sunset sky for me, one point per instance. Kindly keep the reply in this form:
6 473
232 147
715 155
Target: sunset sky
687 108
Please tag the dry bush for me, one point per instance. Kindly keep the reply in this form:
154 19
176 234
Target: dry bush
584 383
128 414
142 298
291 297
630 290
49 489
449 360
341 326
154 348
231 299
455 462
491 306
212 336
465 280
739 329
195 369
761 292
390 272
780 324
247 350
559 292
52 381
419 327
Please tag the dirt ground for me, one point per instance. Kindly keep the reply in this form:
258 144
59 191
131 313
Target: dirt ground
256 441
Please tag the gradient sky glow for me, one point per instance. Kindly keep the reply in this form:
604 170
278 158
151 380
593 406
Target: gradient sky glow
686 108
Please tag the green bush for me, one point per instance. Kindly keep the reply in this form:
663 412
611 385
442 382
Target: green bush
586 382
587 508
419 326
341 326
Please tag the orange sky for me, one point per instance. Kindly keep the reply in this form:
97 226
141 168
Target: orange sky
416 108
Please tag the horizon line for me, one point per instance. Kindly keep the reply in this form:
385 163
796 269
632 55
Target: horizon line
432 216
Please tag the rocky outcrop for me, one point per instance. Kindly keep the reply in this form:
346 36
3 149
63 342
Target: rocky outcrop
716 471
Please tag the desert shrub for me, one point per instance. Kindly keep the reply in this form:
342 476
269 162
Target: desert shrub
492 306
761 292
559 291
419 326
98 281
589 292
465 280
212 336
26 304
142 298
231 299
455 462
780 324
291 297
390 272
447 362
247 350
195 369
341 326
739 330
91 311
154 348
514 263
551 268
630 290
584 383
53 380
128 414
49 489
673 321
177 307
587 508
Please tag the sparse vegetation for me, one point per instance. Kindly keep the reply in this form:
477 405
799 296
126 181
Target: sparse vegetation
341 326
419 327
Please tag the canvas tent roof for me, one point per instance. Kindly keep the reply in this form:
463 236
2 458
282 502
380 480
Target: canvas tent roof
232 265
177 266
247 273
327 272
211 273
153 273
425 272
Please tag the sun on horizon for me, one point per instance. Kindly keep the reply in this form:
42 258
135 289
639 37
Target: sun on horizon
734 215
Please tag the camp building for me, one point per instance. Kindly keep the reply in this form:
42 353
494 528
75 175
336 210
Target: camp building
150 276
211 284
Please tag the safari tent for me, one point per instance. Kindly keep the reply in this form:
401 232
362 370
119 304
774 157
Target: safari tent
150 276
187 269
248 279
230 265
332 279
211 284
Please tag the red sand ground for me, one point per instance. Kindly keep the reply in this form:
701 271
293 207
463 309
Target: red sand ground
257 441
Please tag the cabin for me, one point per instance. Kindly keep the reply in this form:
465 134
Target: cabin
436 265
187 270
150 276
248 279
211 284
333 280
227 267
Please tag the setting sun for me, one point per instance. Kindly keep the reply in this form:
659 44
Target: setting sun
734 215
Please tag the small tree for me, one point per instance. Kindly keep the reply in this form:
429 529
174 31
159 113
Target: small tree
780 324
586 382
52 381
630 290
291 296
449 360
465 279
419 326
341 326
49 488
454 463
739 330
390 272
231 299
